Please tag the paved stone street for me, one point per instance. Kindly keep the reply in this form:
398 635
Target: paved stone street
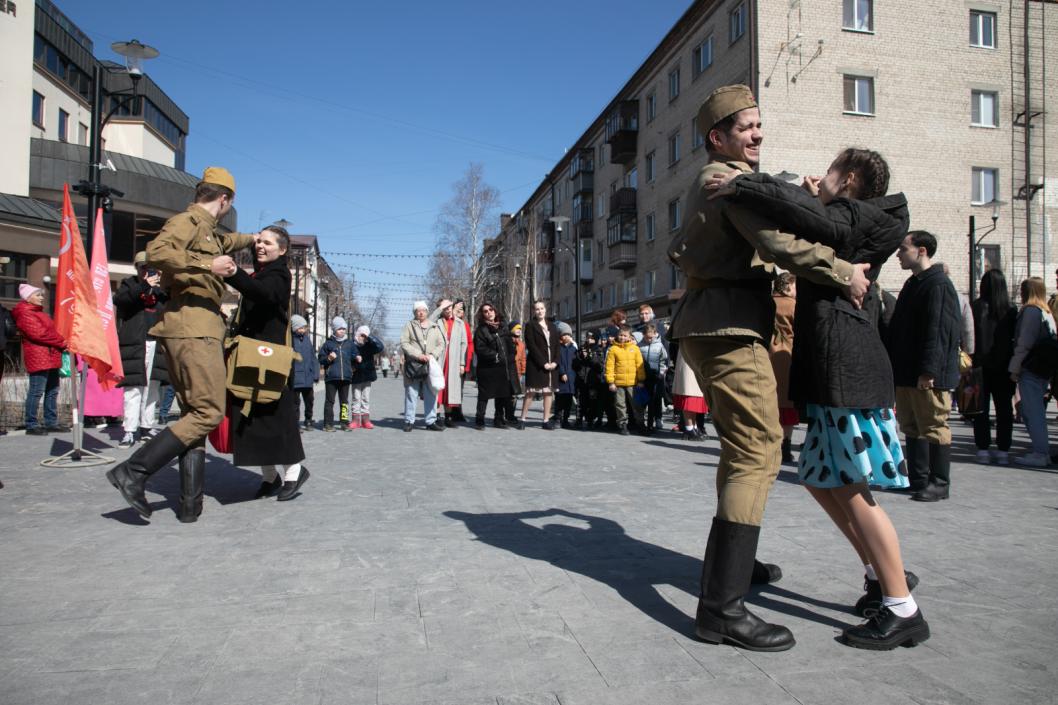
501 567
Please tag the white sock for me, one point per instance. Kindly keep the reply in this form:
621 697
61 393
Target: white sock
290 474
869 570
900 606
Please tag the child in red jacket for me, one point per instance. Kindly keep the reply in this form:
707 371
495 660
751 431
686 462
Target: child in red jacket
42 348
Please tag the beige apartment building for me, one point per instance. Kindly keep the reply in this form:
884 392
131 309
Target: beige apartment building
937 86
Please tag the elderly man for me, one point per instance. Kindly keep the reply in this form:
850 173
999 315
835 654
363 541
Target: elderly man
724 322
193 255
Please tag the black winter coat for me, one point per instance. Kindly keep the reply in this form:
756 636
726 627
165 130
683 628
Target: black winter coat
925 329
139 306
538 352
494 349
839 358
993 338
365 369
269 435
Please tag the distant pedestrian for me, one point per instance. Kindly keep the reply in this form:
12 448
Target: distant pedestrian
338 358
590 368
497 375
1029 369
368 347
567 381
995 320
384 365
541 370
456 363
307 369
420 341
42 348
519 354
625 372
656 364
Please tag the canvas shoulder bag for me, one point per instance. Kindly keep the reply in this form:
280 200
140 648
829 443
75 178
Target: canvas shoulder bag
257 370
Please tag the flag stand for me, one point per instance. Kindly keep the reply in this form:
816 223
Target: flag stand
77 457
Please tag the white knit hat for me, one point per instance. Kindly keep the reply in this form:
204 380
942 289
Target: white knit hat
364 331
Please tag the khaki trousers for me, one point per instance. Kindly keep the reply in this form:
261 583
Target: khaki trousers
923 413
738 382
198 375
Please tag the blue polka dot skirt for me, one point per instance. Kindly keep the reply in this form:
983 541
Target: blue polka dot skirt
846 446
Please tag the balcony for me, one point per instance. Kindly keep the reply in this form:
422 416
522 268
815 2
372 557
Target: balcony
622 255
623 201
584 182
581 170
584 229
622 129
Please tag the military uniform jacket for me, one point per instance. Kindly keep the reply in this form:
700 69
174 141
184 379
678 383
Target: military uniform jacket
184 252
727 253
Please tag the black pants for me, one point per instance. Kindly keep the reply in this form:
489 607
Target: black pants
308 398
341 389
563 407
656 385
999 389
503 408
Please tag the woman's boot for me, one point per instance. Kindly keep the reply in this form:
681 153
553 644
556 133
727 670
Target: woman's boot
130 477
192 484
722 614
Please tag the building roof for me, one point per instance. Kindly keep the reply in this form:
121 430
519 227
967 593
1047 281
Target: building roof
23 209
305 241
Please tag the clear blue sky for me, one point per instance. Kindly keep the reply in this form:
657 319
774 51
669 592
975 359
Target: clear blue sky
352 120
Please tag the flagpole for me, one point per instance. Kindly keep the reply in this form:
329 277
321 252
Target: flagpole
77 457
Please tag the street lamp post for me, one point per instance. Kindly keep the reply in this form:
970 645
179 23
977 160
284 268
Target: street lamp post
976 241
559 221
135 54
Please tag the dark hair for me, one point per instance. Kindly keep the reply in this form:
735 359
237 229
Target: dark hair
995 294
922 238
282 236
207 193
479 317
871 169
725 126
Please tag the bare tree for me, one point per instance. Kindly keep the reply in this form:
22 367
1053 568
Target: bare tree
376 320
455 268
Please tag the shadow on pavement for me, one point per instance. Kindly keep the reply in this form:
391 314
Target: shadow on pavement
604 552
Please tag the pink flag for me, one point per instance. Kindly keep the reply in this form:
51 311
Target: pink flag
105 305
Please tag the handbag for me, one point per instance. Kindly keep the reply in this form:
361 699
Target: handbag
257 370
417 369
968 392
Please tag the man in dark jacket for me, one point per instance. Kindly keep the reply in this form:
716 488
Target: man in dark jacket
307 369
924 349
139 301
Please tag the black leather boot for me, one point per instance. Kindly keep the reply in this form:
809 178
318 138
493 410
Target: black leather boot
130 477
765 573
917 463
787 451
192 484
939 475
722 614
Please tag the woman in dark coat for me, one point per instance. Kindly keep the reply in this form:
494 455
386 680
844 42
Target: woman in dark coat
995 320
841 376
269 435
496 367
541 369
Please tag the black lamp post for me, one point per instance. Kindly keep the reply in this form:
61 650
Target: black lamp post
559 221
135 54
976 241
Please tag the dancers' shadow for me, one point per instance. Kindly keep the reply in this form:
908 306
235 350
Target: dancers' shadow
606 553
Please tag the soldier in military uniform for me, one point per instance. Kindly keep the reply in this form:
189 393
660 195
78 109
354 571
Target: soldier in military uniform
723 323
193 255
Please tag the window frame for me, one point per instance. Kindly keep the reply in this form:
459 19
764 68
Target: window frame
650 165
674 148
975 99
674 83
650 226
62 126
737 29
697 56
977 174
846 77
845 13
675 206
650 281
697 138
652 106
38 110
977 26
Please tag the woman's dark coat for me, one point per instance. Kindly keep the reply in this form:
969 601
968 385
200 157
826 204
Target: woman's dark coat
269 435
537 348
494 348
365 369
839 358
994 337
139 306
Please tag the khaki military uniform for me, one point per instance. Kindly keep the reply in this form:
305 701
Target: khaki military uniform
192 327
724 323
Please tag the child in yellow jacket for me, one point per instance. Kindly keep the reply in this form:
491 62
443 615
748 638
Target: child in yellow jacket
624 372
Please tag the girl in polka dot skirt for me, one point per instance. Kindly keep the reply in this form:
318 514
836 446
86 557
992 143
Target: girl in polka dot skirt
841 376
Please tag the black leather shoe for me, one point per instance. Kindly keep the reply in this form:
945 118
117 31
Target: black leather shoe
37 431
885 631
549 426
931 493
765 573
435 426
480 425
871 601
267 489
408 427
520 425
290 489
450 421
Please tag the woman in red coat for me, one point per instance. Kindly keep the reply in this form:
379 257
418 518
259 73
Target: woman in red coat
42 348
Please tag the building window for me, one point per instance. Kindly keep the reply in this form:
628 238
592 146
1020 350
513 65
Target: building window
82 133
985 185
652 106
984 108
702 57
38 110
859 95
613 295
982 29
629 290
631 179
674 276
650 227
737 23
697 140
674 84
651 166
600 210
675 214
649 280
858 15
64 125
674 148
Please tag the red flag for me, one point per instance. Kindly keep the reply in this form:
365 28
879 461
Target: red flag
76 317
105 305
